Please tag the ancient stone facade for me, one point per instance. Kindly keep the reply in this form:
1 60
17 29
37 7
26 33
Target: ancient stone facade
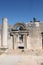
21 35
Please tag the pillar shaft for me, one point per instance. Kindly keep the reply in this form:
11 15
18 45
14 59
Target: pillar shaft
25 41
4 32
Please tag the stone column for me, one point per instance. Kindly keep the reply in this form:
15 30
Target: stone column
4 32
25 41
28 42
18 39
14 43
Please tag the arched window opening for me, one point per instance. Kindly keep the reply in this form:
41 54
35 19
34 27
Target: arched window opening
19 28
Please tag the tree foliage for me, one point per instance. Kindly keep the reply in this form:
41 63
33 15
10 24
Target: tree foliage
34 19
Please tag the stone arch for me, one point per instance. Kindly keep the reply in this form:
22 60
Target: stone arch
20 24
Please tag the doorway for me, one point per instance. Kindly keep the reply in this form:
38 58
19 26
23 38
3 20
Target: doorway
42 40
20 47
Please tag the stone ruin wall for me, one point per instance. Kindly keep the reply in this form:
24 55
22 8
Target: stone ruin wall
34 39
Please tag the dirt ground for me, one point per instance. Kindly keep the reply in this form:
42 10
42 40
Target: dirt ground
22 58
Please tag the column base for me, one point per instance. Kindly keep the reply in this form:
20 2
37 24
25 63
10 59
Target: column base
4 47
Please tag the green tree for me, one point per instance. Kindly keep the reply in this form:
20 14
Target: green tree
34 19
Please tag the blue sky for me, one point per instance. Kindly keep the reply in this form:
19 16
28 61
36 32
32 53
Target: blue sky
21 10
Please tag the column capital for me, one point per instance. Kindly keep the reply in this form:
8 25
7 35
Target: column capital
4 19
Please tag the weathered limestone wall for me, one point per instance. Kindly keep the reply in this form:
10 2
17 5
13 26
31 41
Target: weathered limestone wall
32 41
36 39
